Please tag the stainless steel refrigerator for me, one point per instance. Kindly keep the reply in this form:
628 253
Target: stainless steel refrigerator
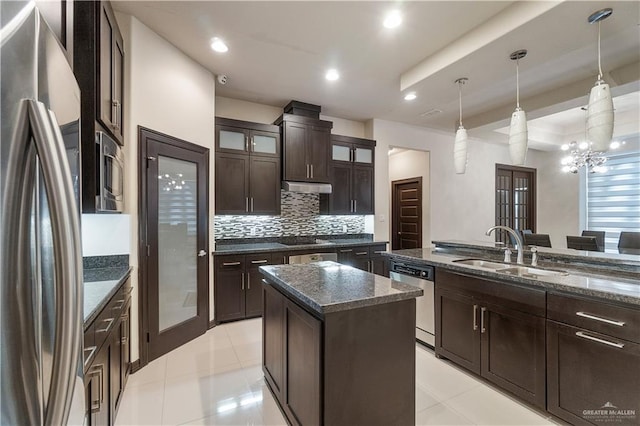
40 253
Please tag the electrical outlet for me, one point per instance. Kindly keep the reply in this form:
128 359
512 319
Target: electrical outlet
344 228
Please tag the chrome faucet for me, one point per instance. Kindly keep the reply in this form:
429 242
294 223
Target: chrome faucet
516 236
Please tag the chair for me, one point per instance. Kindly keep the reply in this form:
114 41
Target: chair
599 237
629 242
540 240
519 232
588 243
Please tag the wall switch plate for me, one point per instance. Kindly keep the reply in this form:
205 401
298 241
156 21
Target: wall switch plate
253 230
344 228
381 217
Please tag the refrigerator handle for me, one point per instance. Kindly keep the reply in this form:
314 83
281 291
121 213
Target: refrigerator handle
65 228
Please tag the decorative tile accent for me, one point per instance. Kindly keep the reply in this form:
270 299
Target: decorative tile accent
299 216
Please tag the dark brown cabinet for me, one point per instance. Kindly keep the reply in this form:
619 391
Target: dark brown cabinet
367 258
98 63
593 361
107 358
496 330
237 285
247 168
305 148
351 174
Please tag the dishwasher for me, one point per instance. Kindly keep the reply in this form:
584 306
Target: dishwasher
419 276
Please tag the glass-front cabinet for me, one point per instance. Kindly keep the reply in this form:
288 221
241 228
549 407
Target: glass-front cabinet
238 140
351 153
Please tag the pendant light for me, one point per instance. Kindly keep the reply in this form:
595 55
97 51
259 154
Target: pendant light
518 134
600 109
460 143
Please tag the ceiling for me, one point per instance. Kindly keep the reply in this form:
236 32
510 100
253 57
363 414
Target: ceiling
279 51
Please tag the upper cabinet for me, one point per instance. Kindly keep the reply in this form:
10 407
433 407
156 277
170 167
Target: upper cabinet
305 151
351 173
247 168
99 59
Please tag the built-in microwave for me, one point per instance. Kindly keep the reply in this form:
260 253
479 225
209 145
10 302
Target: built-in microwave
110 179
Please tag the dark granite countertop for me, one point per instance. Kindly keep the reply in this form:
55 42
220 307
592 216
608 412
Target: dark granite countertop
326 287
607 287
100 285
261 247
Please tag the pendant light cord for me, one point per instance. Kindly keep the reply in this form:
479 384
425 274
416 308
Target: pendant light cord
460 98
517 83
599 64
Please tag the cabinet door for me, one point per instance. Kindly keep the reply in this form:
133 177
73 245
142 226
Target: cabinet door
106 106
232 140
361 258
363 155
296 166
362 189
302 365
345 256
97 387
232 183
264 185
253 292
115 370
380 266
513 352
340 201
341 152
229 288
458 328
118 84
588 371
264 144
273 339
318 153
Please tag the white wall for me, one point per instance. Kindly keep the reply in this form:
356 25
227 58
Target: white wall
462 206
409 164
105 234
168 92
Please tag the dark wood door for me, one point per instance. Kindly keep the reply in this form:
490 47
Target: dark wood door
229 288
515 199
363 190
513 352
302 365
319 143
264 185
407 214
253 288
296 166
232 183
458 328
175 237
340 201
273 339
584 375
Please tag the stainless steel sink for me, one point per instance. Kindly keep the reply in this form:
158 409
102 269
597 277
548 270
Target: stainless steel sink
482 263
526 271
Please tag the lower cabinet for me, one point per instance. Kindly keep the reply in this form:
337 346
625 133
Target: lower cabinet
367 258
237 285
593 361
107 359
494 329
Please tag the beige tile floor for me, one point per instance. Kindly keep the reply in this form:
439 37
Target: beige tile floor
217 379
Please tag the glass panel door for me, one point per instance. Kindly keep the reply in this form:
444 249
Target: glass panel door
177 241
265 144
234 140
340 153
363 155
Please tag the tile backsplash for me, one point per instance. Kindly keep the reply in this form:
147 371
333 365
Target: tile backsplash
299 216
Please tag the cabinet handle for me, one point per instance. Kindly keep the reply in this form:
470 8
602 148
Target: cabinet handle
257 262
597 318
230 263
596 339
361 253
252 204
104 330
482 311
246 143
351 206
475 317
246 204
355 206
91 350
352 155
97 371
242 282
248 281
370 263
120 305
114 111
346 251
252 145
307 171
311 167
380 252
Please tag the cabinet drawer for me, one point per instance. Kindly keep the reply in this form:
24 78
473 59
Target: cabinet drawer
377 250
361 252
230 263
254 261
615 321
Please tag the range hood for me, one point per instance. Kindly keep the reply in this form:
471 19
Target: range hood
307 187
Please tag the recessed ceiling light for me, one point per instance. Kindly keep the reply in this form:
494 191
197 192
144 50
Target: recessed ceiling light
410 96
393 19
332 75
218 45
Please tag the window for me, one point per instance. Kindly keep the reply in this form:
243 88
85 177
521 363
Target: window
515 199
613 198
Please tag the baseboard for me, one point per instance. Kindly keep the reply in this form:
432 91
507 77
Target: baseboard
135 366
212 324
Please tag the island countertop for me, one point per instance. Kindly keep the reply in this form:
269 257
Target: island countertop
326 287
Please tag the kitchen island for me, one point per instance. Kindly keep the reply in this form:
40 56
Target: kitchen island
339 345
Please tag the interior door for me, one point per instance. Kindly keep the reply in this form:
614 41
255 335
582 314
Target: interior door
407 214
515 199
177 270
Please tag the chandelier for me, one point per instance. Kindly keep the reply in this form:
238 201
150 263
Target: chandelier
581 155
171 182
